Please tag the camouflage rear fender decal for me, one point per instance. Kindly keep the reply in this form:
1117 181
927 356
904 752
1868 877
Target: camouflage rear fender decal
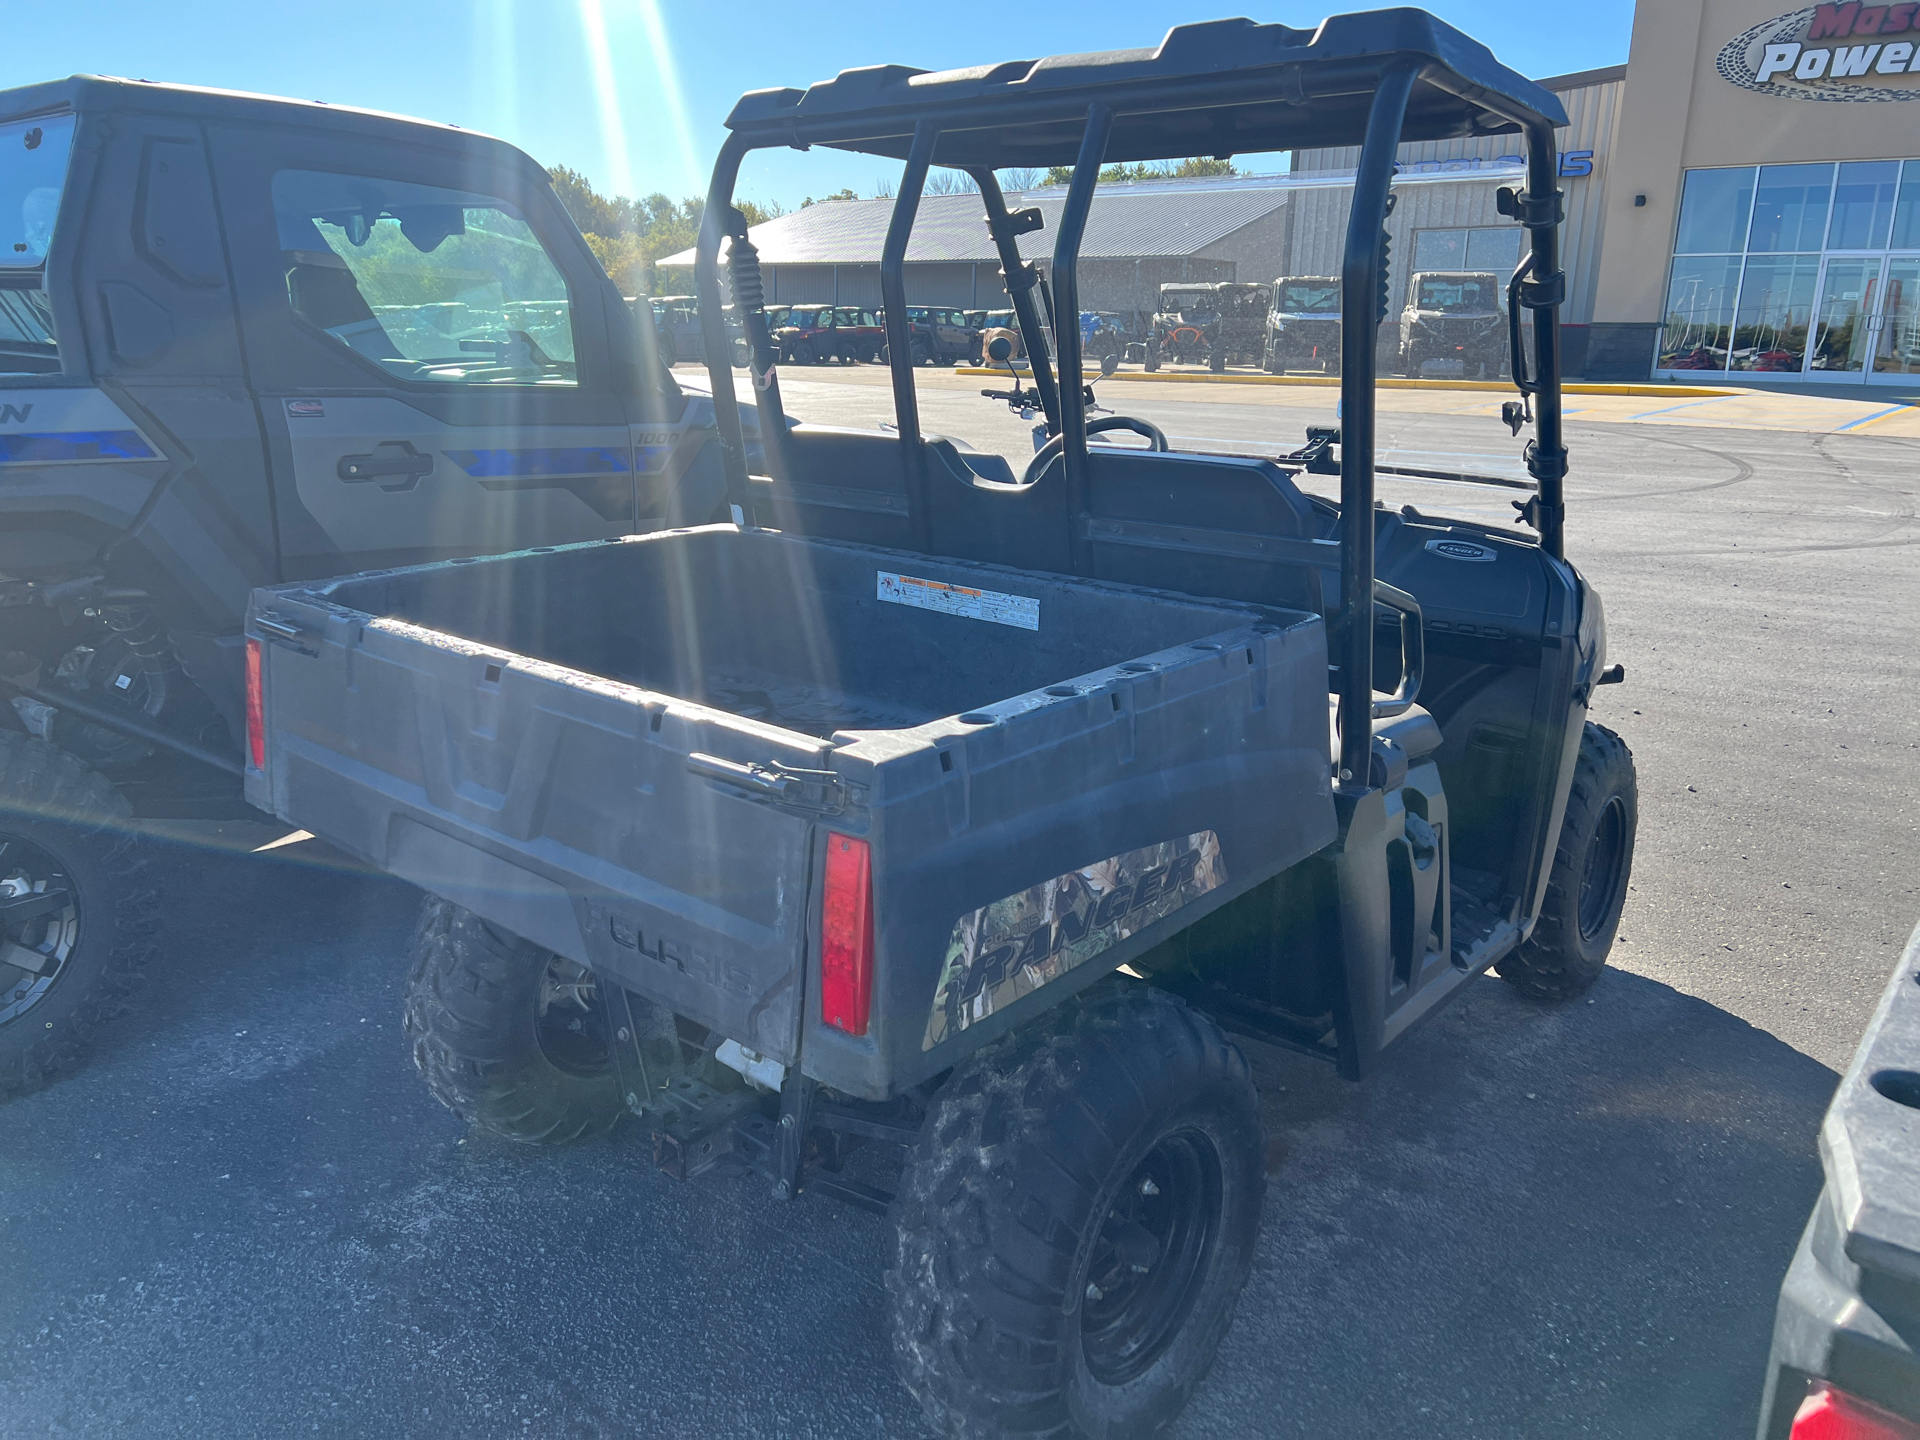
1012 947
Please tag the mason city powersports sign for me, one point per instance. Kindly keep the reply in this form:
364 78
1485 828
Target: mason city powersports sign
1843 52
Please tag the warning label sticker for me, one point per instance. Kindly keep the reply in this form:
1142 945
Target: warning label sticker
1018 611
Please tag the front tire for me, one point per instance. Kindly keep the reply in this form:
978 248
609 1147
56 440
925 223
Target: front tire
510 1037
1076 1222
1587 887
65 969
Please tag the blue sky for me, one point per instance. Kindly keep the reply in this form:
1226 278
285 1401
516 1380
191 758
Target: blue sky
643 110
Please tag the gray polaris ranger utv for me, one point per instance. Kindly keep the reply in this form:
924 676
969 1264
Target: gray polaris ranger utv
245 340
935 806
1454 317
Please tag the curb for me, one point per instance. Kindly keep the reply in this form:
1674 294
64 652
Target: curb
1390 382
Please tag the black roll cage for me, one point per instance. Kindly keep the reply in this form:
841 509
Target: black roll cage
1158 105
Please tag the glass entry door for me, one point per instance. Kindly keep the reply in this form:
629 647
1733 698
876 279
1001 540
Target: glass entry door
1896 331
1866 326
1842 322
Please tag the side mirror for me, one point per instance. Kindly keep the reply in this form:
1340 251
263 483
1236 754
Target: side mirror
1108 364
1000 349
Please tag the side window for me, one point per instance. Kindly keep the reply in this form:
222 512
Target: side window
433 285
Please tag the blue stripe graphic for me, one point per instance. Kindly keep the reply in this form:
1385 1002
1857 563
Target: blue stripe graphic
524 464
74 445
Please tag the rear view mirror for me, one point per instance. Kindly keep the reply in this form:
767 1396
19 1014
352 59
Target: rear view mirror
425 226
1108 364
1000 349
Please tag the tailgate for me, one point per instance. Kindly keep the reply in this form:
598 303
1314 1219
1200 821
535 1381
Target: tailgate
610 824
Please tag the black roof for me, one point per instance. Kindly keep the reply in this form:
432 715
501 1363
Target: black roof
1224 87
97 94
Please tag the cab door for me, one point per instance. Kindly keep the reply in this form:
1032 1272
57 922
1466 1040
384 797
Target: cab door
428 340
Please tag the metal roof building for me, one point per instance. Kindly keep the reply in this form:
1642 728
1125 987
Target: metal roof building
1138 236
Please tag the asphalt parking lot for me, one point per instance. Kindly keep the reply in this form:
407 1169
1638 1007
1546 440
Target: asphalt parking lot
247 1217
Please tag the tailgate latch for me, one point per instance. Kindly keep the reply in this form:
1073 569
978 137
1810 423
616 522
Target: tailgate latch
820 790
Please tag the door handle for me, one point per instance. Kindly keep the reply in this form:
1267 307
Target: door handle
391 460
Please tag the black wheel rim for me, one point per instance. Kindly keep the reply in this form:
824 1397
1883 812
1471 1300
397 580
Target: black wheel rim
1606 874
1151 1257
570 1020
39 926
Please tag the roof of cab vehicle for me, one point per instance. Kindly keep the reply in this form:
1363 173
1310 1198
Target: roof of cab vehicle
1222 87
107 93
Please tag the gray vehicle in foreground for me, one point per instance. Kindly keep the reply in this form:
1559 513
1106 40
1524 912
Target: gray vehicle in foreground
953 813
1846 1340
246 340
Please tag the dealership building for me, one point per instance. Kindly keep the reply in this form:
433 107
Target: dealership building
1743 198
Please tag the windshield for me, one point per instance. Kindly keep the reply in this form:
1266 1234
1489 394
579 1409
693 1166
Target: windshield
1309 297
1188 302
431 284
1457 295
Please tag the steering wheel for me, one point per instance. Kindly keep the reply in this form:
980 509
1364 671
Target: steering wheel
1156 440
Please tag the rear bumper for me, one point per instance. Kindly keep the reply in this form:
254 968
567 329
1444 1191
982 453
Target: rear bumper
1850 1306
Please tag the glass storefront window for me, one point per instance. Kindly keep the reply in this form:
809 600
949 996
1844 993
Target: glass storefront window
1776 307
1790 207
1699 312
1488 247
1906 210
1808 279
1863 205
1713 211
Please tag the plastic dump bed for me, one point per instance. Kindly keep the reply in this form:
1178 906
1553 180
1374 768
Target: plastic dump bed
636 753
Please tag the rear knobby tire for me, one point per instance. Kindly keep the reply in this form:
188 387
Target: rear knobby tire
1587 886
487 1050
1028 1173
62 825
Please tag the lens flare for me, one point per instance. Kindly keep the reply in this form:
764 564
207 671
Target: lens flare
606 96
661 48
502 93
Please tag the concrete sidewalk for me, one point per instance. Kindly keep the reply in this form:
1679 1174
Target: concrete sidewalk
1825 410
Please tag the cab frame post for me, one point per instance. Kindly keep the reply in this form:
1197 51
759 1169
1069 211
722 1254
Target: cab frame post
1363 277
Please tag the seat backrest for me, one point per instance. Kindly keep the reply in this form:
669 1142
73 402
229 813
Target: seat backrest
1218 525
1231 526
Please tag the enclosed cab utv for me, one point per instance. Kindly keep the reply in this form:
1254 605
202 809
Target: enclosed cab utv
1303 328
676 328
1215 325
1454 323
246 340
935 336
813 334
943 807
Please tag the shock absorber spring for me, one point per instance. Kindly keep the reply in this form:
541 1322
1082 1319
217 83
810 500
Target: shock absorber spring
743 264
140 630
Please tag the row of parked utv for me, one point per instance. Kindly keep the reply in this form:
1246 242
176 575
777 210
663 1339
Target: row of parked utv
1455 323
817 334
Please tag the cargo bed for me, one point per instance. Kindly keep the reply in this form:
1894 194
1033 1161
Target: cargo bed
634 752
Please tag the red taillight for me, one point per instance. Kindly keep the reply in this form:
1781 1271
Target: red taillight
1830 1414
256 708
846 935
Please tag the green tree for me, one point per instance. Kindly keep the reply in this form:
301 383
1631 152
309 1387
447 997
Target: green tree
1200 167
628 236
